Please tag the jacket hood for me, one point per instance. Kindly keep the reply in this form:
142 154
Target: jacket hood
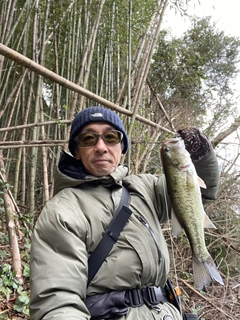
71 173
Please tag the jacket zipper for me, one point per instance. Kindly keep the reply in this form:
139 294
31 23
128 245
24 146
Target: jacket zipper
146 225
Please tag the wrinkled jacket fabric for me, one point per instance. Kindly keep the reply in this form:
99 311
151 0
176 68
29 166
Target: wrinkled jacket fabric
73 222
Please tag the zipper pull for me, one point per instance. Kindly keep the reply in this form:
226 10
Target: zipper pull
142 220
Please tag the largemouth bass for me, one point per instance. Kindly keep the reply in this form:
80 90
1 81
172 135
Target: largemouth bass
183 185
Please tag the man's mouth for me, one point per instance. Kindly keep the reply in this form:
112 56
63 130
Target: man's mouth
101 161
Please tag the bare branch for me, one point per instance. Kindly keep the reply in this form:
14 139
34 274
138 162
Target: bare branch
224 134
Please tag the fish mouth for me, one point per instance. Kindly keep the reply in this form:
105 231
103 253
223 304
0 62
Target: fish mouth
171 142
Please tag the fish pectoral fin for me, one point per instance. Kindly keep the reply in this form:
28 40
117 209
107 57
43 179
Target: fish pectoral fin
208 223
201 183
191 181
176 227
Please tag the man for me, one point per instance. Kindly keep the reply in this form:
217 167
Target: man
88 187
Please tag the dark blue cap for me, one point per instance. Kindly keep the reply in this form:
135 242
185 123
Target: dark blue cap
96 114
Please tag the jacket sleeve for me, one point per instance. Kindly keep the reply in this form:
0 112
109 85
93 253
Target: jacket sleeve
58 263
208 170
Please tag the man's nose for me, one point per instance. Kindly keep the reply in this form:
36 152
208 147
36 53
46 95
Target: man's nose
100 145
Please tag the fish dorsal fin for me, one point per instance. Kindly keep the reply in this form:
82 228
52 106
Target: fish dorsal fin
208 223
201 183
176 227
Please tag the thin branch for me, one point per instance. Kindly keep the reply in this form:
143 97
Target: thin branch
206 298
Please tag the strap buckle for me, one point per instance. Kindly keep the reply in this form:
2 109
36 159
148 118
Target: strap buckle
135 298
152 295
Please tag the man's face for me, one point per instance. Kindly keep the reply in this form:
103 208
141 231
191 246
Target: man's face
101 159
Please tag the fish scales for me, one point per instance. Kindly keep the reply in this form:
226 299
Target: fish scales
188 212
185 189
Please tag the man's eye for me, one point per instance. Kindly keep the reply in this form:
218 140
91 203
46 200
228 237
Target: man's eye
89 137
111 136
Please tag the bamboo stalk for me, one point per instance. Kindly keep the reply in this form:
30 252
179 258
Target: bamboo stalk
40 144
31 65
38 53
45 143
35 124
10 222
21 143
90 49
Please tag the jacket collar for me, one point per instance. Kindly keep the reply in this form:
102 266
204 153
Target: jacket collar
70 173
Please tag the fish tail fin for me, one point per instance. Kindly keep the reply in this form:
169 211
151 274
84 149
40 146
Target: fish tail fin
204 272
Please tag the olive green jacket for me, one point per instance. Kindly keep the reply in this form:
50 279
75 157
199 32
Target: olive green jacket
71 225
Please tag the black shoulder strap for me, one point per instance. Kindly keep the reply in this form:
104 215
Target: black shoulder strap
110 236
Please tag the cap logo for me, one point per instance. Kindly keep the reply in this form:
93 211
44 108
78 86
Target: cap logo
96 116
